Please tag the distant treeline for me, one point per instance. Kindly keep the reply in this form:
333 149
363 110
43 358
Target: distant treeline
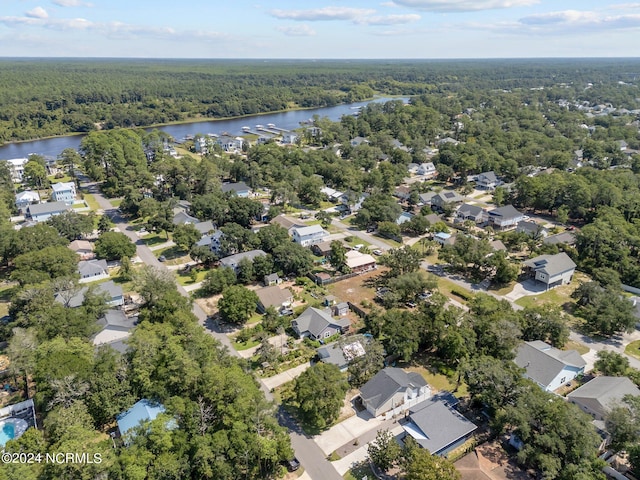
44 97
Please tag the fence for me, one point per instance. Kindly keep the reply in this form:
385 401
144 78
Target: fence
405 406
328 281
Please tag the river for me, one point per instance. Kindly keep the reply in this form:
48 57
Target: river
288 120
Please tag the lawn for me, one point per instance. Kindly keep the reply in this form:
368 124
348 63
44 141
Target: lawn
633 349
556 296
245 345
186 279
359 472
154 239
4 309
355 289
447 287
388 241
172 253
115 202
66 178
436 380
91 202
577 346
356 241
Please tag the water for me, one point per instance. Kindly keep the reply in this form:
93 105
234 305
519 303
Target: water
288 120
7 432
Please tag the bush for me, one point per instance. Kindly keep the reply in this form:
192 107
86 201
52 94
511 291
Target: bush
311 343
462 294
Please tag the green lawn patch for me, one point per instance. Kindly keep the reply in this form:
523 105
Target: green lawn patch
4 308
453 290
154 239
358 473
170 253
245 345
91 201
353 241
186 279
115 202
633 349
388 241
577 346
66 178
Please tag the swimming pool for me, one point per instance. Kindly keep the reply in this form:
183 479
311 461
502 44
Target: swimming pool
11 428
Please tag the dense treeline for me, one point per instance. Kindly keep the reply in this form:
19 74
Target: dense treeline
46 97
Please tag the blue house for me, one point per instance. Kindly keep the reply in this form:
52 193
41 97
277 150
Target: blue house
142 412
64 192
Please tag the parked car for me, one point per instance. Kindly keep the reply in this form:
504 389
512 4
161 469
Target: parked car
293 464
377 252
371 229
162 258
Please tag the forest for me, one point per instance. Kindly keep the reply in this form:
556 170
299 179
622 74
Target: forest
40 97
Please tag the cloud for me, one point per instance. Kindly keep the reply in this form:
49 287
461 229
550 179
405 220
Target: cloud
388 19
463 5
322 14
297 31
37 12
580 20
72 3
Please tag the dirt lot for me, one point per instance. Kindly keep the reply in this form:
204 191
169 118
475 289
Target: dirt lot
354 289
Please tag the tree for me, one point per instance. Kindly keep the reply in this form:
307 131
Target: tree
35 172
605 310
203 254
623 422
237 304
319 392
419 464
384 451
104 224
293 258
505 272
338 257
70 157
113 246
126 269
611 363
492 382
246 273
401 260
417 225
389 229
546 323
215 281
363 367
271 236
186 235
41 265
409 285
267 353
325 218
72 225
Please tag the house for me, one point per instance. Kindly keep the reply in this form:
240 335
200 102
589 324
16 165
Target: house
308 235
182 218
331 194
112 292
16 167
321 249
446 197
567 238
427 169
232 261
390 388
211 240
444 238
547 366
552 270
404 217
204 227
340 309
356 142
426 198
92 270
353 202
289 138
287 223
403 192
447 141
144 411
26 198
487 181
41 212
230 144
498 246
115 327
273 296
83 248
340 354
319 324
64 192
598 396
272 279
505 217
532 229
240 189
471 212
437 426
360 262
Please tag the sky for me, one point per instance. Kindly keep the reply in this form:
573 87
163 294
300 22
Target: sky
318 29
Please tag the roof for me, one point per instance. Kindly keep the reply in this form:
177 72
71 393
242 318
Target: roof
602 393
235 187
438 425
50 207
355 259
340 354
143 411
314 321
110 288
322 246
448 196
384 384
426 197
29 195
543 362
272 277
181 218
529 227
286 222
204 227
551 264
116 319
470 210
497 245
489 176
508 211
273 296
233 260
77 245
565 237
92 267
62 186
309 230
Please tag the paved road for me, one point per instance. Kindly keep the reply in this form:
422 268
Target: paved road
376 242
308 453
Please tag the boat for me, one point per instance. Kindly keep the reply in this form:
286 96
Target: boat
259 126
246 129
271 125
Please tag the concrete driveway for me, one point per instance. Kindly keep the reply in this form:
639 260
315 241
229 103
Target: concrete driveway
524 289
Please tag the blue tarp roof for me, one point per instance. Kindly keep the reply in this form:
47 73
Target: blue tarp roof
144 410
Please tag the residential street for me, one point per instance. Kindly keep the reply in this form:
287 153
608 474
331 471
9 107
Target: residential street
308 453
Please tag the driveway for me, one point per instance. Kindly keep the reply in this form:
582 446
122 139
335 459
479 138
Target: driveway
525 288
284 377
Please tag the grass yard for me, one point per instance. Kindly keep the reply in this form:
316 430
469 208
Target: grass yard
4 309
354 289
504 290
154 239
556 296
239 346
447 287
115 202
186 279
91 201
633 349
174 255
388 241
581 348
358 473
356 241
437 380
66 178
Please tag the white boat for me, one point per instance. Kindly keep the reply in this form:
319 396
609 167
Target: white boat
246 129
259 126
271 125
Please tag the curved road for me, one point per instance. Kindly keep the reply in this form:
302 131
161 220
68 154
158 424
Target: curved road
308 453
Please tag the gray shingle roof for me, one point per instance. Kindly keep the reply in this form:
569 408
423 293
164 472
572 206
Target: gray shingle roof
181 218
603 393
314 321
384 384
233 260
235 187
543 362
117 320
508 211
468 210
551 264
565 237
92 267
273 296
440 425
50 207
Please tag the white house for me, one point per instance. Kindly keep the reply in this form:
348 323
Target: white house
487 181
310 235
547 366
26 198
289 138
92 270
505 217
232 261
552 270
391 388
230 144
16 166
64 192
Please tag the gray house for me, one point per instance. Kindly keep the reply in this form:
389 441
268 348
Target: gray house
112 292
115 327
232 261
341 354
391 388
471 212
436 426
446 197
505 217
552 270
532 229
273 296
487 181
319 324
240 189
41 212
549 367
92 270
601 394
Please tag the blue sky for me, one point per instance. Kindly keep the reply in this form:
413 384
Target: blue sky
319 29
